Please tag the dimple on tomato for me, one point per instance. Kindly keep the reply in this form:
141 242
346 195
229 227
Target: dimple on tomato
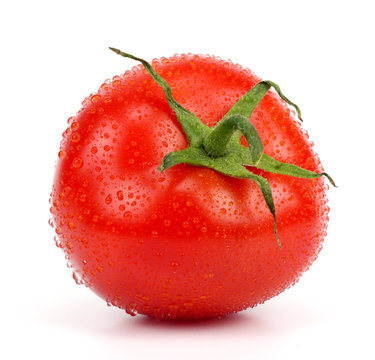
162 209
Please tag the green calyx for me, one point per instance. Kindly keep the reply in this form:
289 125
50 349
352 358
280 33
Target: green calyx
219 147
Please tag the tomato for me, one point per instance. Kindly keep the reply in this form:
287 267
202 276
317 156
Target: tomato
188 242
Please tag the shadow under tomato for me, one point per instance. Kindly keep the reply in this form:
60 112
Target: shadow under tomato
274 318
239 325
85 316
225 321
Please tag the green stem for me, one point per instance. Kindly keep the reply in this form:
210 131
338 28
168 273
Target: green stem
248 102
217 142
278 90
271 165
219 148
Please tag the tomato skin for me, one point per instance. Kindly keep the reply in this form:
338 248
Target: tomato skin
188 242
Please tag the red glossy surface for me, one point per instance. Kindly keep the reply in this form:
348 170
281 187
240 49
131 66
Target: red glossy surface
188 242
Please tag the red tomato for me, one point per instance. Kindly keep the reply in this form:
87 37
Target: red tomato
188 242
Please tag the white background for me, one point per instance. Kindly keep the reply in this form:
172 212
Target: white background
54 54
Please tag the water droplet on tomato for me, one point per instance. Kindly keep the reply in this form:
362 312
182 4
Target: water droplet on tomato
77 278
77 162
108 199
51 223
74 125
58 230
70 120
62 154
67 132
95 98
131 309
120 195
116 81
58 242
109 303
76 137
127 215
